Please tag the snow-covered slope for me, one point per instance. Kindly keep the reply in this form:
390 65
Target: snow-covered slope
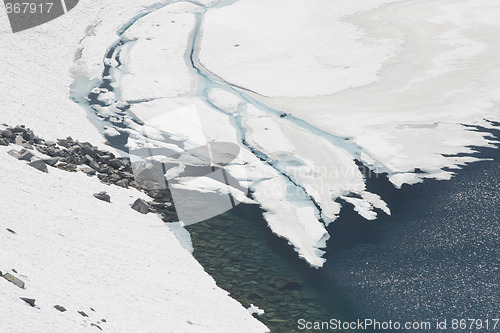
70 249
81 253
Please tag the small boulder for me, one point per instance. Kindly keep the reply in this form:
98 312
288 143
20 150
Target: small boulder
102 196
141 206
122 183
25 155
60 308
8 134
94 165
103 178
13 153
39 165
88 171
116 163
19 129
14 280
3 142
83 313
29 135
30 301
51 161
27 145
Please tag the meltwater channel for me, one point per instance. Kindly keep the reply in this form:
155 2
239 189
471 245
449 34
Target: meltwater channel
435 258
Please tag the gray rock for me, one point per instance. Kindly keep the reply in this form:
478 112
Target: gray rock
141 206
60 308
102 196
29 135
83 313
67 167
95 166
11 231
27 145
19 129
30 301
13 153
88 149
105 169
14 280
74 149
55 152
51 161
25 155
8 134
114 177
95 325
41 149
122 183
103 178
4 142
66 143
39 165
116 163
89 158
88 171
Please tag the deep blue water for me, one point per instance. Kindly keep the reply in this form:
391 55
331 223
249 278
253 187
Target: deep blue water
437 257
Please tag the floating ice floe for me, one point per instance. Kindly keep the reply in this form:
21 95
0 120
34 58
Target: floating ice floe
308 91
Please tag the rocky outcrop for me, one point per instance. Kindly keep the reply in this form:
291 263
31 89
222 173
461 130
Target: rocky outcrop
141 206
39 165
71 155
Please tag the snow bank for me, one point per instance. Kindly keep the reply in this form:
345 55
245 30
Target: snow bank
397 78
101 258
292 48
71 249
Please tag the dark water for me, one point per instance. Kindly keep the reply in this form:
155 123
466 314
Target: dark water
437 257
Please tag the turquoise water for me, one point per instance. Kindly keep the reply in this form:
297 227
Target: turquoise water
246 259
437 257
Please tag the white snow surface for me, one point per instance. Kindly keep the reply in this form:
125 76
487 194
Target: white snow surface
398 78
76 251
70 248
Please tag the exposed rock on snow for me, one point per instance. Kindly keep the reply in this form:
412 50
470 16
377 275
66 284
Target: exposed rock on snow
103 196
60 308
141 206
29 301
39 165
14 280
